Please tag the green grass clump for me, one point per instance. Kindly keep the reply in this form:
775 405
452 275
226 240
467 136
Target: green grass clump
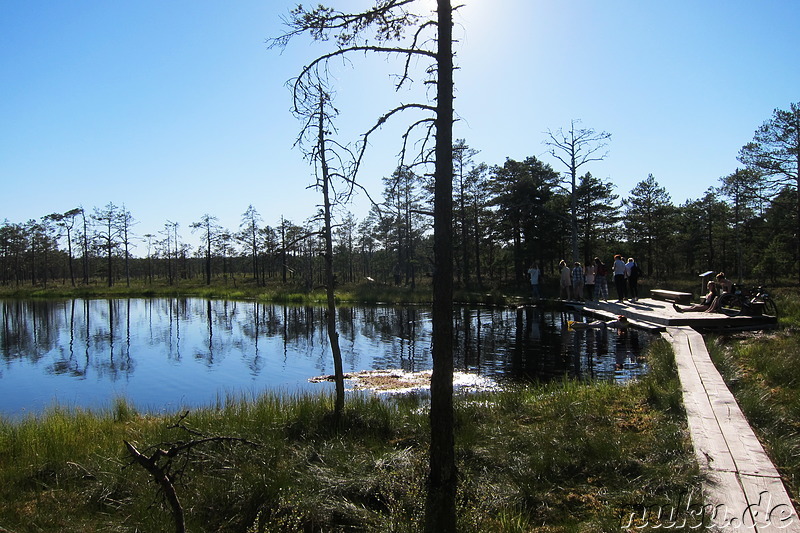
763 372
762 369
556 457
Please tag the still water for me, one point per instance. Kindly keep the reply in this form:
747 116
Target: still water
164 354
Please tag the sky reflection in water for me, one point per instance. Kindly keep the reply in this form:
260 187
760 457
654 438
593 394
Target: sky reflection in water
166 354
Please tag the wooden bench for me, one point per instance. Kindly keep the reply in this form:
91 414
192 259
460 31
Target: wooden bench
672 296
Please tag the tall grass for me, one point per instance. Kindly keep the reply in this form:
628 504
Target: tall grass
763 372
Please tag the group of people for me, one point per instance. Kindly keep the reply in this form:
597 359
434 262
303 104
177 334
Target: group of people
578 281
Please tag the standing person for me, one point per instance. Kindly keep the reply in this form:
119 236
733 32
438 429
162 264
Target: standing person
589 274
632 272
619 277
600 280
534 274
566 281
578 281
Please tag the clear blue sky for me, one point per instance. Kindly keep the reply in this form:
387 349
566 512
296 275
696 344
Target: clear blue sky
177 108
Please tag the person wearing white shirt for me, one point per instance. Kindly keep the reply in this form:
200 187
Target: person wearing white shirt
534 274
619 277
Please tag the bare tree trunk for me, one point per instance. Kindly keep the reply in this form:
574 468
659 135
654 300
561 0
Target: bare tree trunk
283 251
477 235
463 216
333 335
208 256
69 252
440 511
85 249
573 210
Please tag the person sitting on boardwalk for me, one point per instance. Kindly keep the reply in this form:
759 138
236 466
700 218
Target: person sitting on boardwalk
724 284
709 303
620 323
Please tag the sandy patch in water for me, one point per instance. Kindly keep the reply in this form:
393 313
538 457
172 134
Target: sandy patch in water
399 381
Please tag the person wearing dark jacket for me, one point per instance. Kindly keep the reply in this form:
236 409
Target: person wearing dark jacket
600 280
632 272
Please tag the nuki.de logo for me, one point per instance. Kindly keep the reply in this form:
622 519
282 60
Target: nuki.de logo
686 514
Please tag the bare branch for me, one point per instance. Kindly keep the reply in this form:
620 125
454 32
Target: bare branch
302 237
414 43
577 146
344 51
381 121
161 477
423 157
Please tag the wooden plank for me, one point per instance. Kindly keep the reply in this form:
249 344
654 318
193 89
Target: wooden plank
708 440
743 487
607 315
723 508
744 446
660 313
673 296
753 509
770 508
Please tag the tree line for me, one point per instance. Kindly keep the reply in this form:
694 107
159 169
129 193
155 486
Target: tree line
505 216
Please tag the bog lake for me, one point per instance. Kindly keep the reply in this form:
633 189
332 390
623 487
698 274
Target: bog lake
166 354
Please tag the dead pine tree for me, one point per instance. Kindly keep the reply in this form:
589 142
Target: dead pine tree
331 160
383 29
333 335
575 148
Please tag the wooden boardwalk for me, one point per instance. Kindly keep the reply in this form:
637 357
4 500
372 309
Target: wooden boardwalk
658 314
743 490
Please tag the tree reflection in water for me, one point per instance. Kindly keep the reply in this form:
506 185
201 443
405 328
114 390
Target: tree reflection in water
167 353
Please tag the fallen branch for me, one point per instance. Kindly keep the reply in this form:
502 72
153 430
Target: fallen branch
161 476
159 464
